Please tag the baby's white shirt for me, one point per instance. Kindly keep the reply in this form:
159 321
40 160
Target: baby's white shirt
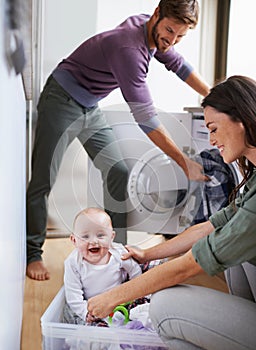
83 280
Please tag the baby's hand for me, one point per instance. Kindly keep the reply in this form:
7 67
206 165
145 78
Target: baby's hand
134 252
90 318
94 321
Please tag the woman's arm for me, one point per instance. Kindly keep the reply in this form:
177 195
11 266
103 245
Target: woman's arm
162 276
173 247
166 275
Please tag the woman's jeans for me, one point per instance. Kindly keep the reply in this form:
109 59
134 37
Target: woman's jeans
60 120
191 317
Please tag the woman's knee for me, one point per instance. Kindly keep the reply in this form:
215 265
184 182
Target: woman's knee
165 307
182 313
241 281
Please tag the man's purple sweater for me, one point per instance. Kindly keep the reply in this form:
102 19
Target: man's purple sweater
118 58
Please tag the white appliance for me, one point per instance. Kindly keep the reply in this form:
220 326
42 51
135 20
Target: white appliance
160 198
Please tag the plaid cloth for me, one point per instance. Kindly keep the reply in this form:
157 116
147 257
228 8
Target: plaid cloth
215 193
150 264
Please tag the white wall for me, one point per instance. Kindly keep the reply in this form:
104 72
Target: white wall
66 24
12 201
241 47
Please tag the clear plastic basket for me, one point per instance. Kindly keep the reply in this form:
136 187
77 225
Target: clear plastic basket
63 336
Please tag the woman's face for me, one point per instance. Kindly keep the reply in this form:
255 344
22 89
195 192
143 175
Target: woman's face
227 135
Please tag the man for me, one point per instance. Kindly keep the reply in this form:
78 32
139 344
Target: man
68 108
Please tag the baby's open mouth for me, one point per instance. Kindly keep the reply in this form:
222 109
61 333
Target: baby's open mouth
94 250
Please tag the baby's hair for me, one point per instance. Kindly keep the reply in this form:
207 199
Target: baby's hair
92 210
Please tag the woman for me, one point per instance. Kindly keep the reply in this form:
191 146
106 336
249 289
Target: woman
193 317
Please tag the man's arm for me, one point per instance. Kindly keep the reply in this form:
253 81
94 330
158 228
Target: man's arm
185 71
195 81
132 83
162 139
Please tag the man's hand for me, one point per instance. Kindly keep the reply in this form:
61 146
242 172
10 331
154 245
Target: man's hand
162 139
136 253
195 171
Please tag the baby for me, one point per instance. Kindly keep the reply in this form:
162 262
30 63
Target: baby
95 265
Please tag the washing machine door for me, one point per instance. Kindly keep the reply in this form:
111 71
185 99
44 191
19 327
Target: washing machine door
157 184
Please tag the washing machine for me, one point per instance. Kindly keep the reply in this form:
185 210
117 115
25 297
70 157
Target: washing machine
160 197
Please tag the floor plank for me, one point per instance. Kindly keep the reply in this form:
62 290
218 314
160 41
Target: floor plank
39 294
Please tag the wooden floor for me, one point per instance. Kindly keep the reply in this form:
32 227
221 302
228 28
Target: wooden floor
38 295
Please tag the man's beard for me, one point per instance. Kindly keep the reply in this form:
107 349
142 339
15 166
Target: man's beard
155 34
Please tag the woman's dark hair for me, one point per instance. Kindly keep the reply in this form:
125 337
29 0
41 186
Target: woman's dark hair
185 11
236 97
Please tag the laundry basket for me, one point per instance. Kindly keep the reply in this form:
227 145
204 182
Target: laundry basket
61 336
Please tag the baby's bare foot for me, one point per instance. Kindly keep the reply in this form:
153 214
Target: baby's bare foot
37 271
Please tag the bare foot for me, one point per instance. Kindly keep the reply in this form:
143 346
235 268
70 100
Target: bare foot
37 271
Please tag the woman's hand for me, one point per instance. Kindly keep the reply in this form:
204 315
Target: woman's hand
136 253
100 306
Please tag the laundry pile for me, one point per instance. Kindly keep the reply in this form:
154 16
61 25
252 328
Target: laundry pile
215 193
139 320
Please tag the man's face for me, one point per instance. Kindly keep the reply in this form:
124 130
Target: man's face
167 32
